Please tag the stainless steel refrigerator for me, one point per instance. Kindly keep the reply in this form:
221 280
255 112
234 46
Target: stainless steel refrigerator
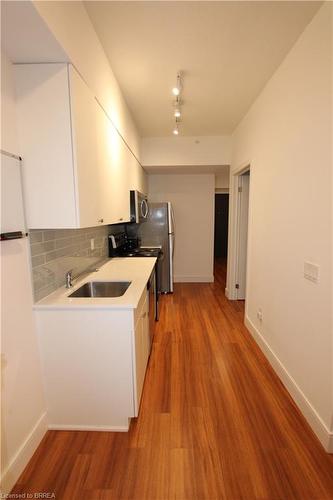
159 230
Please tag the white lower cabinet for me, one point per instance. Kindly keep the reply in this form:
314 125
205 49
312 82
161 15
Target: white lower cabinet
141 351
94 363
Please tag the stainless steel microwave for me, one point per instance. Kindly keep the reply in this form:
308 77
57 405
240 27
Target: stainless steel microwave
139 206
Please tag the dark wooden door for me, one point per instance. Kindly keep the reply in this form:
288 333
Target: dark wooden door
221 225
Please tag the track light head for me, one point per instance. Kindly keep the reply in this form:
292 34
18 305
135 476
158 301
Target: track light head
177 89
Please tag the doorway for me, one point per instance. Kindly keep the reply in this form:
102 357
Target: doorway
221 226
221 238
243 196
239 232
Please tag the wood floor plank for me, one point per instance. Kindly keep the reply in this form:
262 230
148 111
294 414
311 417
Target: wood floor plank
215 423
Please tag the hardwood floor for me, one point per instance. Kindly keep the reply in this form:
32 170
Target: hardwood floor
215 422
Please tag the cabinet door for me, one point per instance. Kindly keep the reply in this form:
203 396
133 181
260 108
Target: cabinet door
105 148
145 332
139 365
44 129
114 163
85 134
121 197
142 349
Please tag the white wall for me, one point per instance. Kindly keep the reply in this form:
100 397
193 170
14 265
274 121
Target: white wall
176 151
37 32
71 26
23 418
66 34
192 198
8 117
222 180
287 139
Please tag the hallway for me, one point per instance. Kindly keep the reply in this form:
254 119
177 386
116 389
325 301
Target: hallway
215 421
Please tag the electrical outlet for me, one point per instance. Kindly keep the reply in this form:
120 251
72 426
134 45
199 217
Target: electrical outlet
259 314
92 244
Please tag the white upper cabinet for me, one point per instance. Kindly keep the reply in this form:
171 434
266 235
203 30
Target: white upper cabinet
86 169
114 169
76 167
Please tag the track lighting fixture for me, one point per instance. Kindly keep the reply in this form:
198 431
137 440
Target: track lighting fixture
177 102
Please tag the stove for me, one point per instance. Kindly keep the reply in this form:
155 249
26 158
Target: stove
120 245
139 253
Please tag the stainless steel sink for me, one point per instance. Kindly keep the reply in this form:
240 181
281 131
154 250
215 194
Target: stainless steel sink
101 289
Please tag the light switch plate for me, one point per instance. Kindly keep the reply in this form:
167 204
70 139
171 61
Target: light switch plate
311 272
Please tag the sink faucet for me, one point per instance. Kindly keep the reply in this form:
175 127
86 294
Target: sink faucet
68 279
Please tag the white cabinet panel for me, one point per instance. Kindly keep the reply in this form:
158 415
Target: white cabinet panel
121 171
12 214
142 350
139 365
87 171
78 171
87 368
44 129
113 160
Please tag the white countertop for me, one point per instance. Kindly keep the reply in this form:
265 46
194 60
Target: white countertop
134 269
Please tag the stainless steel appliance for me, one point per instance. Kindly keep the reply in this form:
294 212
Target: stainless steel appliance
159 230
139 207
122 246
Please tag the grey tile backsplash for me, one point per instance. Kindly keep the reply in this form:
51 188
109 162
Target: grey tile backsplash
54 252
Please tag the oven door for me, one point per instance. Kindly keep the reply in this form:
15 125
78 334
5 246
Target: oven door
139 207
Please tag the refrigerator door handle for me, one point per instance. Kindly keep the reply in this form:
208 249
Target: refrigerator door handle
171 219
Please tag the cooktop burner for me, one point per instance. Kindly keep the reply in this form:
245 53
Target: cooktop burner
140 253
121 246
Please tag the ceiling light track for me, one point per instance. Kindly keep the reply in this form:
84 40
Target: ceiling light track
177 102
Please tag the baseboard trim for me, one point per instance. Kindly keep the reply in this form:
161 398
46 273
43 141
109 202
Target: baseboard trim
323 433
193 279
16 466
330 443
95 428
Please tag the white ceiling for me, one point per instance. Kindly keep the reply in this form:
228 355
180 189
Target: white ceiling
227 51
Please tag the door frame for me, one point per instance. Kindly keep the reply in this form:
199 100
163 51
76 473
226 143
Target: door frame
234 217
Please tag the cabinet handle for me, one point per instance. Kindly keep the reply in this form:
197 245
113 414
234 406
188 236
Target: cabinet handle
100 220
121 218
